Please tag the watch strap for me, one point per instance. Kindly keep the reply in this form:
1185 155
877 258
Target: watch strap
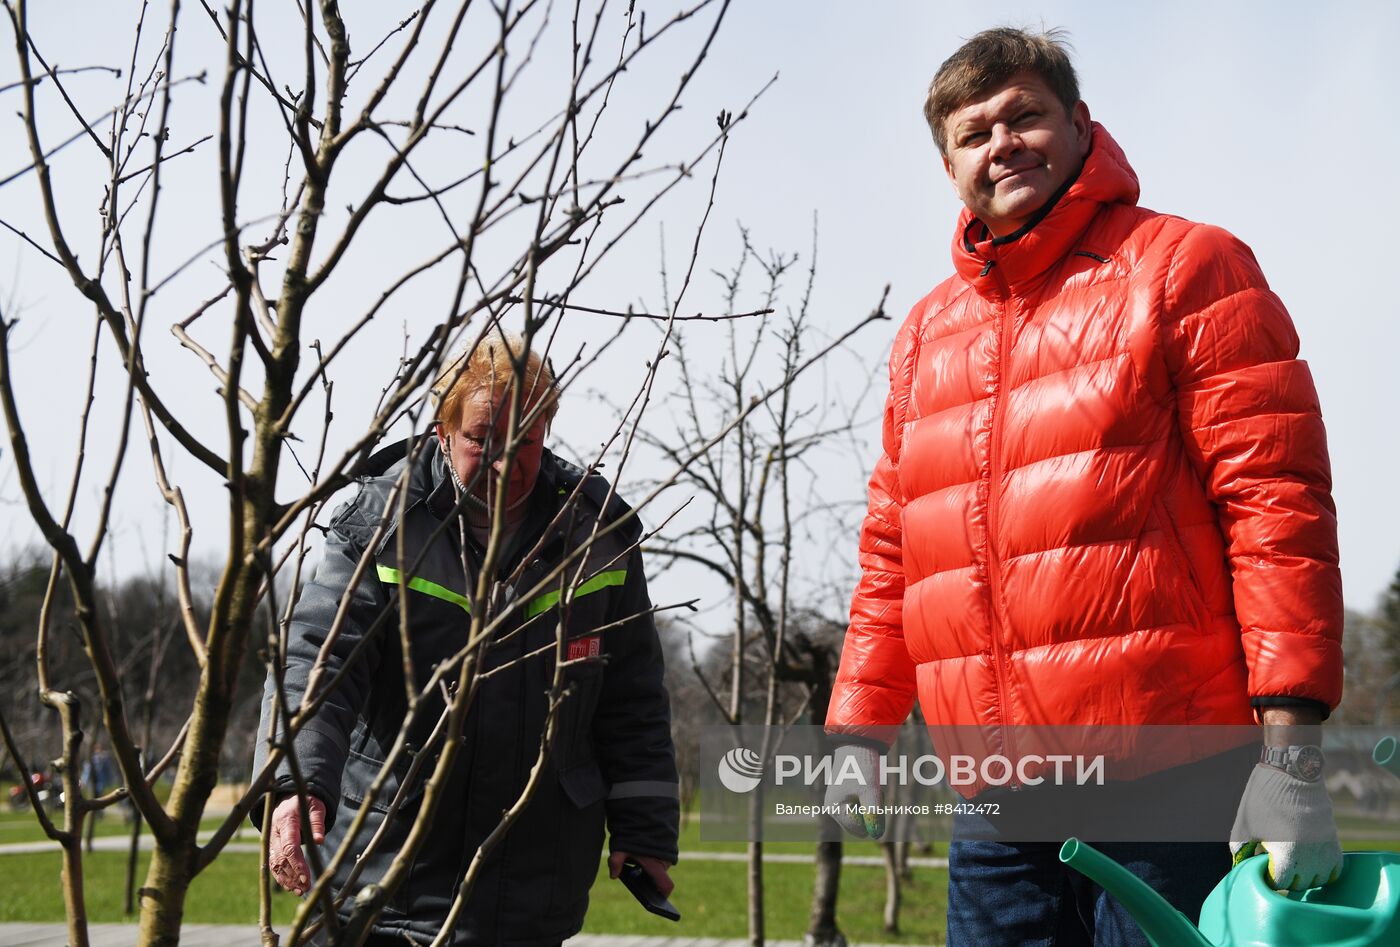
1303 761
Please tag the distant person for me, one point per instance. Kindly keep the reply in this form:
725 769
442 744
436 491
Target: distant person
99 772
1104 499
612 762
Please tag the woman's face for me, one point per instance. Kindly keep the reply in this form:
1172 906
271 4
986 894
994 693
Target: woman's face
475 444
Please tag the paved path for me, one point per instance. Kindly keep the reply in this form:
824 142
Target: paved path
117 843
217 935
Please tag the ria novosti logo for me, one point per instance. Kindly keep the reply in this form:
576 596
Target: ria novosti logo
740 770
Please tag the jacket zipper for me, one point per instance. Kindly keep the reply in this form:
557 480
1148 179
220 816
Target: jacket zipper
993 497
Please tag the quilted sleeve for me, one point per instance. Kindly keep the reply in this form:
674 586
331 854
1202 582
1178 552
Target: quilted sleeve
1253 430
875 684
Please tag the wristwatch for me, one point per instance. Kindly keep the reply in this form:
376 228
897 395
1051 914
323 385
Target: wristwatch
1304 762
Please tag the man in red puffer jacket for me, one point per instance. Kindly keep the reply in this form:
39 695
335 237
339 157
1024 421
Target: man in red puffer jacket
1104 497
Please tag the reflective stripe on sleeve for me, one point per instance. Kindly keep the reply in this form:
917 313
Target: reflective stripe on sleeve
644 787
418 584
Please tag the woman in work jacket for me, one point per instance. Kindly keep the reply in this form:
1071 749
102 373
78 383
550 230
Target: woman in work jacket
565 553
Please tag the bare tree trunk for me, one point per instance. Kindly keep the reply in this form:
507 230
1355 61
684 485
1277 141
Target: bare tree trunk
895 850
147 727
267 936
89 829
74 902
132 857
755 888
74 812
821 928
826 888
891 916
163 895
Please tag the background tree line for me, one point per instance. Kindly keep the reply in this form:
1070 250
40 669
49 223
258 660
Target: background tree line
158 675
143 617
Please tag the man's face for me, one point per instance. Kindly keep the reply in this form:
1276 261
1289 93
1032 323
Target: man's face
474 446
1009 151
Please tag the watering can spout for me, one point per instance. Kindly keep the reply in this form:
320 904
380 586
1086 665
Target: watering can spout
1387 754
1163 924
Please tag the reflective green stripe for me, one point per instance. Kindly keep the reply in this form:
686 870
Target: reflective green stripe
602 580
395 577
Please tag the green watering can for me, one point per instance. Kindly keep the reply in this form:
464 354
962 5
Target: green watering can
1359 909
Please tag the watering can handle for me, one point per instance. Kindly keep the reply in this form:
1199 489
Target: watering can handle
1163 924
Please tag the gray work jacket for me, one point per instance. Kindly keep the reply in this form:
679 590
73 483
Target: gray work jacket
612 761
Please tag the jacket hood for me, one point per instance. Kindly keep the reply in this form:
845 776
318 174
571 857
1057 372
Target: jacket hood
988 264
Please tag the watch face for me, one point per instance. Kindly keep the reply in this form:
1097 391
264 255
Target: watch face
1308 763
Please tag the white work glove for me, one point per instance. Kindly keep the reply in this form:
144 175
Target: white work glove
854 779
1278 805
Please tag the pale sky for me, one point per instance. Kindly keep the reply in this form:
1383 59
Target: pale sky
1274 120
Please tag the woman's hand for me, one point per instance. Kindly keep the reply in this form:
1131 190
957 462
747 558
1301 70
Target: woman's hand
284 856
654 867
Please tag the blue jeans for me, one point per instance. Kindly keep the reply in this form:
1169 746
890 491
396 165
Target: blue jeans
1021 894
1001 891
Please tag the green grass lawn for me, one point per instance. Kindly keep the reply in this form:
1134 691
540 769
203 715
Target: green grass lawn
225 893
711 899
710 895
1357 826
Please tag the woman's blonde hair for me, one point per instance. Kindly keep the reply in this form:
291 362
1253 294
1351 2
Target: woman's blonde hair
497 362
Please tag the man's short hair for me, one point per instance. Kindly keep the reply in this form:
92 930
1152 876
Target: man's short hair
991 59
493 364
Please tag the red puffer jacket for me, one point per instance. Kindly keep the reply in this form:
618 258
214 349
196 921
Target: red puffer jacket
1105 493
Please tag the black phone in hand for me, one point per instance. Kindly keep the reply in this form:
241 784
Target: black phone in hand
635 877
